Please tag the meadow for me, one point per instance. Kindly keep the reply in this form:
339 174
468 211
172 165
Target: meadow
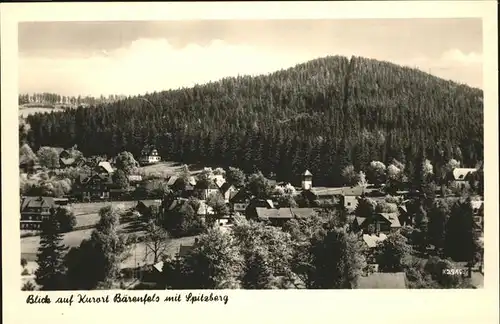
165 169
25 111
87 214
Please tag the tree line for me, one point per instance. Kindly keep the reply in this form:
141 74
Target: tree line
321 115
54 98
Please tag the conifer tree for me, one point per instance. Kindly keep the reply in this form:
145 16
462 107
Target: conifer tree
50 274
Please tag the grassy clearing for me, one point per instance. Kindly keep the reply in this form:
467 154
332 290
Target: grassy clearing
94 207
29 245
165 169
86 214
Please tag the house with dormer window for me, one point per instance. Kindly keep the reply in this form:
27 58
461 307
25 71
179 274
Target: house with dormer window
149 155
34 210
379 222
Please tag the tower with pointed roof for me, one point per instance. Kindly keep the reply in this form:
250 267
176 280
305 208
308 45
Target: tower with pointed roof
307 180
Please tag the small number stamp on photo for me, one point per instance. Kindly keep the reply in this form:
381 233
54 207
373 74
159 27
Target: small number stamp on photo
455 272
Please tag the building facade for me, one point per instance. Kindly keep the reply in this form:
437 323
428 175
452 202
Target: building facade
34 210
149 155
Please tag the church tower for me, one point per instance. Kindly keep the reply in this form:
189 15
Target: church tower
307 180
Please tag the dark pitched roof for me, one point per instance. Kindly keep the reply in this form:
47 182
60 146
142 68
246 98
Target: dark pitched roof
149 150
225 187
360 220
392 218
403 208
219 181
104 178
265 203
65 154
149 203
206 185
67 161
241 196
178 204
37 202
382 280
232 194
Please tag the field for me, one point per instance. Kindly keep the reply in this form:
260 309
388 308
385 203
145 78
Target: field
165 169
88 214
25 111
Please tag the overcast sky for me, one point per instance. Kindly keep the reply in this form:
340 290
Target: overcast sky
72 58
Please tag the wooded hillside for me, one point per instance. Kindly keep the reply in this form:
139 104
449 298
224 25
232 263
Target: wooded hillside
320 115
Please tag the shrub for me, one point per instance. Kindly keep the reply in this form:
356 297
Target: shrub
66 219
384 207
25 272
28 286
392 199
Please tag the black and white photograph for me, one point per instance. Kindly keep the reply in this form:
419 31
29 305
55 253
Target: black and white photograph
258 154
251 154
293 161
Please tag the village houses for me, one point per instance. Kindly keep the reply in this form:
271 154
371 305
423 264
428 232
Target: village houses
98 186
34 210
461 176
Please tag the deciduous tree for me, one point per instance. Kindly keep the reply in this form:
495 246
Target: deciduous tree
236 177
392 253
349 175
215 262
337 259
48 157
267 253
156 241
120 179
66 219
259 186
126 162
219 206
376 173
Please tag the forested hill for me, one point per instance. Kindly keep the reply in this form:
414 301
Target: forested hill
320 115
